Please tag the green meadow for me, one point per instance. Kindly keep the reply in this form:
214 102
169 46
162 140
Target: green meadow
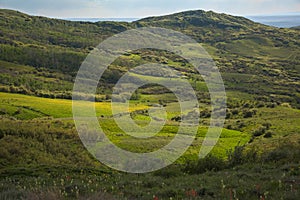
30 107
48 152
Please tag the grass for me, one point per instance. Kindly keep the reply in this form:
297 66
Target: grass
283 120
43 162
252 181
33 107
29 107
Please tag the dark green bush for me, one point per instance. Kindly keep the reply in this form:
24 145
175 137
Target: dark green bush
283 154
236 156
260 131
249 113
268 134
169 172
209 163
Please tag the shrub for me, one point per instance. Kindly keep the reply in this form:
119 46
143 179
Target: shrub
235 111
228 115
19 111
209 163
249 113
241 125
251 139
3 111
271 105
170 171
260 131
236 157
283 154
267 125
205 113
268 134
277 155
176 118
246 105
260 105
229 126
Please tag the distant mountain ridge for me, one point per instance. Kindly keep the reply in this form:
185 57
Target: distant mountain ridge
296 27
280 21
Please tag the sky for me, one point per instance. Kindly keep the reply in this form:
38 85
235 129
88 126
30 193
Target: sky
145 8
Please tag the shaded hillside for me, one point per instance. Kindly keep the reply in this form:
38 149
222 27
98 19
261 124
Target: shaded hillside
253 58
50 43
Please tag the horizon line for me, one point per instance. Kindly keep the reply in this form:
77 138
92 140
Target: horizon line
158 15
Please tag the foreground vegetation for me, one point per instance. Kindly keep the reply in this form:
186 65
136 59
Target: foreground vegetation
51 163
256 161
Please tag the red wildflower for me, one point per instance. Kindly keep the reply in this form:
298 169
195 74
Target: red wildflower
192 193
68 178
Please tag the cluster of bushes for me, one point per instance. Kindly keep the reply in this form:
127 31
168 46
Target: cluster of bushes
245 109
62 60
259 102
264 130
13 89
60 94
55 139
50 142
39 93
286 153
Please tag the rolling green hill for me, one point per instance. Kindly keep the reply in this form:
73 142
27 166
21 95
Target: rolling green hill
253 58
41 155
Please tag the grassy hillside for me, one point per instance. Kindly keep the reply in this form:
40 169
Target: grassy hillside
29 107
253 58
42 157
45 142
48 159
26 108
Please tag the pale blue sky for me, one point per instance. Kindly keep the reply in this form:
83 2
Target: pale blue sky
143 8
